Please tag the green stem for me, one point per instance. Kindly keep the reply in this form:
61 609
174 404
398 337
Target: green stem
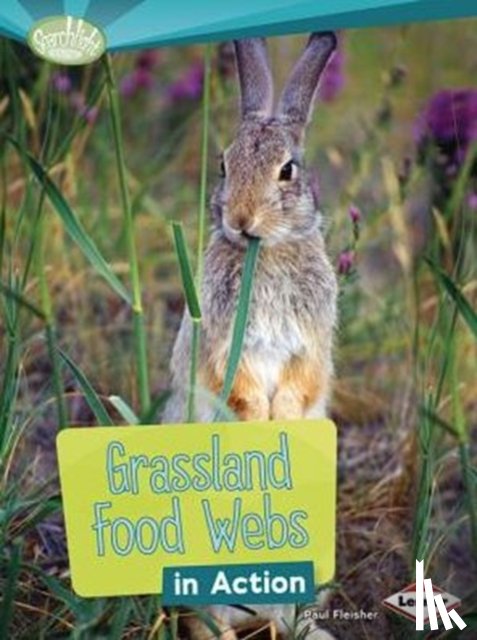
204 166
424 496
7 394
471 493
47 309
240 322
50 333
137 309
196 323
194 360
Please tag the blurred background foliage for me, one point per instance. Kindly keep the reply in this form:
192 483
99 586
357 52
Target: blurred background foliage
392 151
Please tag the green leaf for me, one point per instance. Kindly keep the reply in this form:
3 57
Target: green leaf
73 226
463 305
124 409
92 398
241 317
188 284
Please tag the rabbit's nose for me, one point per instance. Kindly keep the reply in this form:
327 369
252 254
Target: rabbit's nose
241 221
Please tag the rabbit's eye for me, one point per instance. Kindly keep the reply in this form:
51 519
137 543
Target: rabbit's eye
286 172
223 173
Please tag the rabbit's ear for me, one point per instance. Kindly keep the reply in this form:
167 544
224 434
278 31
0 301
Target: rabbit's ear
256 85
296 101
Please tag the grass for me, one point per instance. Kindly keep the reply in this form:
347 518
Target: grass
92 289
140 348
193 307
240 323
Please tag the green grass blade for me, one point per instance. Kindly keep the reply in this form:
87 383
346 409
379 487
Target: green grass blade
468 314
428 413
8 395
241 317
188 284
3 210
21 300
192 301
465 455
425 486
121 617
74 227
8 594
92 398
194 363
76 605
53 349
124 409
204 165
139 328
33 513
157 404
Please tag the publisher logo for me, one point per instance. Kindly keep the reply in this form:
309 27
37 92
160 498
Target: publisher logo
67 40
424 603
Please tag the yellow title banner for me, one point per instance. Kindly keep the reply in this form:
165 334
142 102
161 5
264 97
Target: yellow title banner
141 499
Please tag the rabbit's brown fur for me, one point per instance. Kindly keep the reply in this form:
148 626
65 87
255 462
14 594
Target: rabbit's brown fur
286 363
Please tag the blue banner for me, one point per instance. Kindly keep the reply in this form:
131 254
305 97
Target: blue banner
145 23
277 582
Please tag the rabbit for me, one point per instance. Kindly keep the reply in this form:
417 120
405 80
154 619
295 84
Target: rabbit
264 192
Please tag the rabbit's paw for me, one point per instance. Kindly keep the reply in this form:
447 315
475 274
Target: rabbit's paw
287 405
251 407
301 385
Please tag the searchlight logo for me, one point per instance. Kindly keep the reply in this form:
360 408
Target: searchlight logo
67 40
426 604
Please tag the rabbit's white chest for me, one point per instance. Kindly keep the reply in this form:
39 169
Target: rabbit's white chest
270 346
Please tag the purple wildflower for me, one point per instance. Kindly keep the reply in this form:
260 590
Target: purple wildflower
139 78
90 114
333 79
452 170
449 120
144 78
472 201
61 82
346 262
147 59
354 214
188 86
128 85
